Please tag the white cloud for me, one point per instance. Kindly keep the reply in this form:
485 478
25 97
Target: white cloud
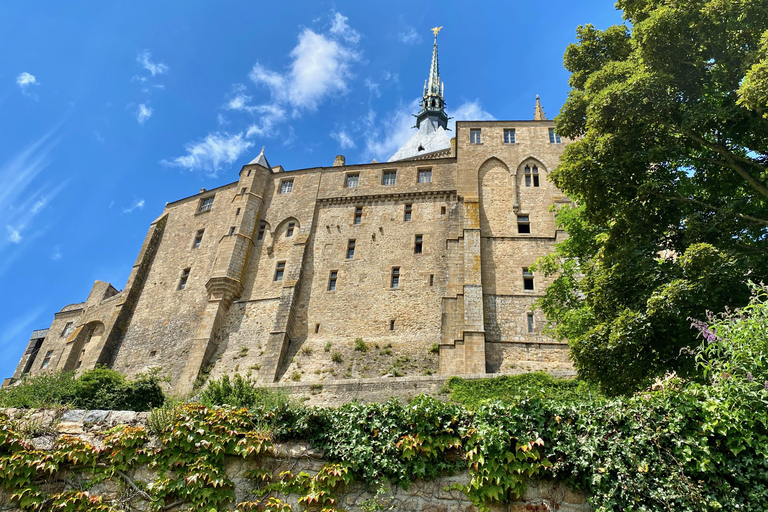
343 138
156 69
409 36
143 113
13 234
269 115
138 204
372 86
56 253
221 120
341 29
25 81
212 153
320 68
468 111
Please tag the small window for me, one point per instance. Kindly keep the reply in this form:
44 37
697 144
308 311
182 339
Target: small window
553 137
262 228
184 278
242 192
388 178
352 180
408 212
442 210
279 270
531 326
474 136
350 249
509 136
286 186
523 225
232 231
317 328
535 176
46 360
289 231
531 176
358 214
249 172
431 279
198 239
153 353
332 280
425 175
237 212
395 281
206 204
417 246
67 329
391 325
527 279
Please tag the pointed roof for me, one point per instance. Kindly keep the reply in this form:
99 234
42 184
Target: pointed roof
261 160
538 114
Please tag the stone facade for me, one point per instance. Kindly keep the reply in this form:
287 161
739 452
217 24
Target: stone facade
460 307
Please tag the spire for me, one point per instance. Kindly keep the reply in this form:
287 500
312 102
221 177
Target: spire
538 114
261 160
432 103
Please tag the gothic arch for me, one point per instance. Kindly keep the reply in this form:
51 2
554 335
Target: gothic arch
496 190
525 181
282 227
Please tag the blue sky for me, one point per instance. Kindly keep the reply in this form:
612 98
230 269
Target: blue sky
108 110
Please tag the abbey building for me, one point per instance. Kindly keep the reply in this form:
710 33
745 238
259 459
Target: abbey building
413 266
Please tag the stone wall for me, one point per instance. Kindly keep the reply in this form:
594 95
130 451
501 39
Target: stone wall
421 496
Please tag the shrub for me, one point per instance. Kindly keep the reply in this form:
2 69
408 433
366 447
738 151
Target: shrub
328 346
336 357
360 345
49 389
434 349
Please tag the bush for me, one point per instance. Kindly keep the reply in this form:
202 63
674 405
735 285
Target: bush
336 357
100 388
360 345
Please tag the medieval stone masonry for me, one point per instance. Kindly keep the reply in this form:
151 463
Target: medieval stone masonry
415 266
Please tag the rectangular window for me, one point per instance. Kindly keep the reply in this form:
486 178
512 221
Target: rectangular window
425 175
332 280
408 211
286 186
358 214
279 270
46 360
206 204
527 279
184 278
388 178
442 210
523 225
350 249
352 180
531 326
260 236
395 281
67 329
417 246
391 325
289 231
232 231
317 328
431 279
198 239
237 212
249 172
509 136
474 136
553 137
242 192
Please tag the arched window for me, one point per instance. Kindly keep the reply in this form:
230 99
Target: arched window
531 177
527 175
535 176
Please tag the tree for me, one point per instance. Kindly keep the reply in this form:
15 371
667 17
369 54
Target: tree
669 175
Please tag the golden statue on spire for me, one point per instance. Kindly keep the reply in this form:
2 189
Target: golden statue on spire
436 30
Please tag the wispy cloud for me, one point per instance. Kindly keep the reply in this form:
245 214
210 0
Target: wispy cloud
13 234
340 28
372 86
56 253
138 204
344 139
212 153
409 36
143 113
156 69
26 81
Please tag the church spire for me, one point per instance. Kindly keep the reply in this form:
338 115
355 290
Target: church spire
432 103
538 114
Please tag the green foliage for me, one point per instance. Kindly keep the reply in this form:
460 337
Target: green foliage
511 389
336 357
360 345
671 181
434 349
100 388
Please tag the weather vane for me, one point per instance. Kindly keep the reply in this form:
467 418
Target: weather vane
436 30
